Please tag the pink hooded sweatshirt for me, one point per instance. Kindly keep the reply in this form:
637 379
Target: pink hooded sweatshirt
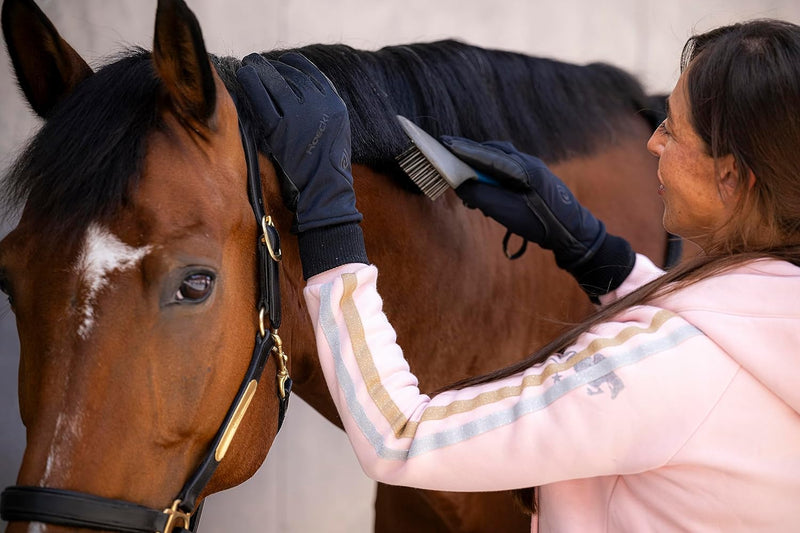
679 415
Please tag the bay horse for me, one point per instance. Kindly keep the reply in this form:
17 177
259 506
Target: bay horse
133 270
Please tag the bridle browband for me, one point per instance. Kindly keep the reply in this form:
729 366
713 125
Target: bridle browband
78 509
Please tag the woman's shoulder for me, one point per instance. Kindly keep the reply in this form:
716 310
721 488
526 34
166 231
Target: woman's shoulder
762 286
751 312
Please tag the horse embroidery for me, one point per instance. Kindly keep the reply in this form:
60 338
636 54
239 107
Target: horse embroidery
595 387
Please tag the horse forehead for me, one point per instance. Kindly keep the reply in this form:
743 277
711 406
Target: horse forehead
186 178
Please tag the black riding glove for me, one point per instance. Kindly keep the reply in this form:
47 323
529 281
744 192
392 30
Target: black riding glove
535 204
309 136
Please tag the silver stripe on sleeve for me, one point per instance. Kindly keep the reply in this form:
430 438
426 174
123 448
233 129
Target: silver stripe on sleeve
553 392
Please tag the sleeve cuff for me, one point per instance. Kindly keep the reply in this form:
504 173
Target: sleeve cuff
328 247
607 268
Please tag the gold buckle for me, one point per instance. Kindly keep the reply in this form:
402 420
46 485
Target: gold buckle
266 221
262 325
176 515
283 373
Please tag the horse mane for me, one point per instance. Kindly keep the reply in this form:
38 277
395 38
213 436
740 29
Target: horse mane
550 108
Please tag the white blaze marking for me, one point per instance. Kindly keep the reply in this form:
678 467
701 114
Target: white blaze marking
102 254
67 432
36 527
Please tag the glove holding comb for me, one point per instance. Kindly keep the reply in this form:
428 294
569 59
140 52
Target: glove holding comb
534 203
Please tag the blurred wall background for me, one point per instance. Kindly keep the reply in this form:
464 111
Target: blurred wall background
310 481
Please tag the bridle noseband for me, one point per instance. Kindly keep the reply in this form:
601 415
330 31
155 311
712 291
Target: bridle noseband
78 509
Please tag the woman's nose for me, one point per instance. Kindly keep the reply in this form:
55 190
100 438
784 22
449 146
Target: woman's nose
656 143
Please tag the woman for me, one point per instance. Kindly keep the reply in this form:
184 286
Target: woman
677 406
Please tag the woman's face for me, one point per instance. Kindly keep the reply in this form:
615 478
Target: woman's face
691 185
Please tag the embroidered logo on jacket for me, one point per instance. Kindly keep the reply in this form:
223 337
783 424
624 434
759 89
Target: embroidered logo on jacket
613 381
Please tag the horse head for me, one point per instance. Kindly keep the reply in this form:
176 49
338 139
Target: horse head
132 271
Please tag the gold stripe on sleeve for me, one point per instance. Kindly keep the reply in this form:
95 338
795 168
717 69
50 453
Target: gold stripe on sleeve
402 427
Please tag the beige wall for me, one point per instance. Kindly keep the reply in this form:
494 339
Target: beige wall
310 481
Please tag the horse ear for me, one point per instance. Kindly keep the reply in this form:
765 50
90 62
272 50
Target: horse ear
182 63
47 67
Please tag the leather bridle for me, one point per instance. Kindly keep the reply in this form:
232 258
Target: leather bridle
78 509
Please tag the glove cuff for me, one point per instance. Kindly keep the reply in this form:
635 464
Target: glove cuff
328 247
607 268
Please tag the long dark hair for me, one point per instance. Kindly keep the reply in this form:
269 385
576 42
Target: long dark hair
744 96
743 83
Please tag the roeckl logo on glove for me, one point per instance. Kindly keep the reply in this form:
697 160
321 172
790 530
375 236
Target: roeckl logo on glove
565 195
323 123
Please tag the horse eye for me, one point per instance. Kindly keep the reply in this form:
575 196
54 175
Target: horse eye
195 288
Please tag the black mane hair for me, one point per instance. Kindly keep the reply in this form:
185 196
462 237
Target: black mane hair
553 109
86 158
81 164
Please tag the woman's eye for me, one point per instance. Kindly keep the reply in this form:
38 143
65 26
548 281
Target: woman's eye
195 288
663 128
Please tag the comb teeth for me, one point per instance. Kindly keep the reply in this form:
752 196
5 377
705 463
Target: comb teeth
417 167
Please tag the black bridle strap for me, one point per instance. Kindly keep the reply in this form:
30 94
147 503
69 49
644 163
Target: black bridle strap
78 509
269 255
673 252
269 297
